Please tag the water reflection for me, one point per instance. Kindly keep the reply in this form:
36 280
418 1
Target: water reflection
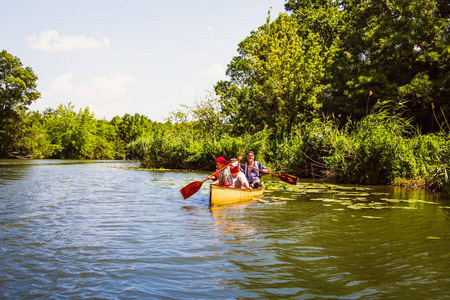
98 230
233 221
12 170
325 246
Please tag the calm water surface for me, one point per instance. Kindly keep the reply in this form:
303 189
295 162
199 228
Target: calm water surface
84 230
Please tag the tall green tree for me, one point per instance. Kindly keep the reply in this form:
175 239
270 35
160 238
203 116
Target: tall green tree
17 91
33 140
323 17
107 146
130 127
71 133
276 80
399 50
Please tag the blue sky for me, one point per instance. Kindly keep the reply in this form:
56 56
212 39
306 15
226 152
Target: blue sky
134 56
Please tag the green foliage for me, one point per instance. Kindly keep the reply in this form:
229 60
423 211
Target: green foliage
433 156
276 79
397 49
33 139
380 151
382 148
69 133
17 83
80 136
180 147
323 17
129 127
205 116
9 132
335 59
305 150
17 91
106 144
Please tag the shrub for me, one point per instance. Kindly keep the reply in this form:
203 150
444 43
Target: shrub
190 149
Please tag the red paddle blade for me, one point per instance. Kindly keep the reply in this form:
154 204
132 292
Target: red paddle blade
288 178
191 189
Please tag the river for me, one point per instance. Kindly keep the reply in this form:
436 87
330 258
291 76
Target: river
103 230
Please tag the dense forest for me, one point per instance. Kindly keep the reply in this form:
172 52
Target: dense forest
350 90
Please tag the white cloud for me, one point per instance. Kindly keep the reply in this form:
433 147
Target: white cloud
214 72
106 96
51 40
102 88
62 83
114 108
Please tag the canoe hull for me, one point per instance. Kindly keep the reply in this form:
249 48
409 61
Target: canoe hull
221 195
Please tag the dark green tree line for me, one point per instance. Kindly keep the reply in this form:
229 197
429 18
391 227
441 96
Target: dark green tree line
399 50
341 57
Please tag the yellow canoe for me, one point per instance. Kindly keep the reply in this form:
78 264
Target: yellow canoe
221 195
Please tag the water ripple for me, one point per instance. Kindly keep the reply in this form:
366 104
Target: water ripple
98 230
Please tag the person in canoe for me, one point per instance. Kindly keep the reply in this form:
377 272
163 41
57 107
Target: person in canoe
249 169
224 177
239 179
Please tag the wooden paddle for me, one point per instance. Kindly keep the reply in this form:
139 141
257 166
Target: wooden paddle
193 187
284 177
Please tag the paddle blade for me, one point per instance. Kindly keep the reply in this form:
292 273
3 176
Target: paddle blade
288 178
191 189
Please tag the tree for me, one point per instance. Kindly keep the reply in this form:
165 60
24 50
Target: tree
399 50
33 139
205 116
131 127
17 91
106 143
323 17
71 133
17 84
276 81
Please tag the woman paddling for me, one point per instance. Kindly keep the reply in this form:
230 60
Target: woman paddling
224 177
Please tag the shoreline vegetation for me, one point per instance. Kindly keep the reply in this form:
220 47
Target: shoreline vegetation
381 149
348 91
378 150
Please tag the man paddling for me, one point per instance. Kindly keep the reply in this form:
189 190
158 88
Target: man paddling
253 176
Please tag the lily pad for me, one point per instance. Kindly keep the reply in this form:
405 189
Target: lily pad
404 207
380 194
393 200
372 217
355 207
331 200
317 199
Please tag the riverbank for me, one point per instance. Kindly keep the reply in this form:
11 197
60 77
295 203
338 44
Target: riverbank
17 157
380 150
